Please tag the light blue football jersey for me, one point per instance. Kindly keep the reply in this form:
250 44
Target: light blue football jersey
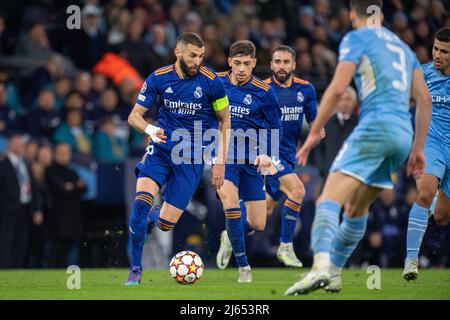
383 76
382 140
439 87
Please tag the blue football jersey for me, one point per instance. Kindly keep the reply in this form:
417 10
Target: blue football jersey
295 101
384 67
184 103
439 88
253 105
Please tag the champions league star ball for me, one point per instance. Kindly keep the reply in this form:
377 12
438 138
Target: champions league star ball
186 267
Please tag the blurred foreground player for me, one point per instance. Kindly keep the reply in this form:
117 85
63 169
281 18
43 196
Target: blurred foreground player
437 156
387 75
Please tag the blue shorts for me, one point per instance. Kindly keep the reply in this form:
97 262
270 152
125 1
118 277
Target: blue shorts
371 155
273 181
246 178
437 156
178 182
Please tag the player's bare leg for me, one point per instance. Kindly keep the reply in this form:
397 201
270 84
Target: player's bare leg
442 210
292 186
255 214
270 204
350 232
427 185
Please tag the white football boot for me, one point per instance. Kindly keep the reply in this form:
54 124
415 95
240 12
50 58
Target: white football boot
314 280
245 275
225 250
411 271
335 284
286 255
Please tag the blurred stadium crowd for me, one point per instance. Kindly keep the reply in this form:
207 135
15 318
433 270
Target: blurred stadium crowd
69 93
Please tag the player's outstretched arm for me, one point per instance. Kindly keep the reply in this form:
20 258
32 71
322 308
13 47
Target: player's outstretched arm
422 98
218 170
341 79
136 120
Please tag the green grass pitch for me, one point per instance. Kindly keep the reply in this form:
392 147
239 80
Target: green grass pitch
268 284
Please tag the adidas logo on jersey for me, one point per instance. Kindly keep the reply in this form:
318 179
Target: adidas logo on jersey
168 90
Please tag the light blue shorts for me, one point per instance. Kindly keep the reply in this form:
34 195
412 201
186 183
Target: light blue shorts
437 157
372 153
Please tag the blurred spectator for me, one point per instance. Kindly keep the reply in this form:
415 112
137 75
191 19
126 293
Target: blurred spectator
324 61
83 85
140 54
215 56
408 36
207 10
34 43
73 133
119 27
99 83
423 54
108 147
241 31
400 22
438 12
6 38
423 36
18 204
173 25
109 105
31 149
154 12
113 10
192 23
9 119
127 94
339 26
306 24
45 155
38 233
74 101
322 11
42 78
43 121
301 45
159 44
64 218
62 88
243 11
88 44
337 129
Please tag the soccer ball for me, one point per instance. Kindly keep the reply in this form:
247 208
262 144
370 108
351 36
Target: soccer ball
186 267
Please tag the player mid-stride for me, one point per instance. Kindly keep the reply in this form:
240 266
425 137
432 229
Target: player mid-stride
387 75
437 156
253 109
190 94
296 97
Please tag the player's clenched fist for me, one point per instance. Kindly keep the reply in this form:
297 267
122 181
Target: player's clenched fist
217 175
